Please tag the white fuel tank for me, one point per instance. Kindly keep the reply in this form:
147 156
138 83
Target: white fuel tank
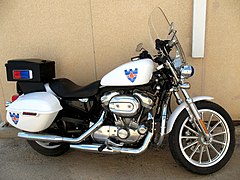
133 73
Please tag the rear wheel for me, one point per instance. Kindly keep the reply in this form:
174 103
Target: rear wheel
48 148
192 150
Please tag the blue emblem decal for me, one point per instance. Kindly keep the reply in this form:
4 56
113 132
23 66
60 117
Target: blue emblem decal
131 75
15 117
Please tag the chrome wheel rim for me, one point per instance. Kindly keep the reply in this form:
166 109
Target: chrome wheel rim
47 145
199 151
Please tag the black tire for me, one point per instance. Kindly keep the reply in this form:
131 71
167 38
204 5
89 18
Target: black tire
209 160
50 149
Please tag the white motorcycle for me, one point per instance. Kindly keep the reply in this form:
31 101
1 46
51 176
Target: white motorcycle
124 112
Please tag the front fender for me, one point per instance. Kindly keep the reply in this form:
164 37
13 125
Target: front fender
179 109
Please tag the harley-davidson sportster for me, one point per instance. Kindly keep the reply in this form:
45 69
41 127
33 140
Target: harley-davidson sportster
124 112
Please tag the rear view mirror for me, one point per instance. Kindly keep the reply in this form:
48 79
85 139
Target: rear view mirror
139 47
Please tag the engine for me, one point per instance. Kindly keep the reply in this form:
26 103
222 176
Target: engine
129 117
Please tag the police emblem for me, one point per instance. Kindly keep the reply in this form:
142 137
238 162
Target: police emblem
15 117
131 74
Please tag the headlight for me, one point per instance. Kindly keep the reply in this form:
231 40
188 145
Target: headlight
187 71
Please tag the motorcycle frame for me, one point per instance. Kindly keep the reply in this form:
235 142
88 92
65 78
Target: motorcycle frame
164 119
162 88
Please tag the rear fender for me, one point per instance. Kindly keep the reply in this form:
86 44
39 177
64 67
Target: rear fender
180 108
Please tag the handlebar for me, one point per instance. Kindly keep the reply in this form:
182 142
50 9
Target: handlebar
160 45
144 54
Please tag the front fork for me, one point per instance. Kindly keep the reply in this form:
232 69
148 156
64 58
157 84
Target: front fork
193 112
163 120
191 109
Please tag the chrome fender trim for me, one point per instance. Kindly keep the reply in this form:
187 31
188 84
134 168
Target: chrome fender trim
180 108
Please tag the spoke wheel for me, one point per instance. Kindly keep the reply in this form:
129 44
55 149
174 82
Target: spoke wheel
47 145
199 151
192 150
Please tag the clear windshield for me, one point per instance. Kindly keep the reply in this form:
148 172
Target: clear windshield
158 25
160 28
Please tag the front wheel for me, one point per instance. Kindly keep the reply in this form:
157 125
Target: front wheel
192 150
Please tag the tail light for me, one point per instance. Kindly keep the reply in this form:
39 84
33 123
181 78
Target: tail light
14 97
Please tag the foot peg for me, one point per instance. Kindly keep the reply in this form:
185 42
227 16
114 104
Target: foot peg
103 146
108 143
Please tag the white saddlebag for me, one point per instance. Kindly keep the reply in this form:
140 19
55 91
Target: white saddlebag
33 112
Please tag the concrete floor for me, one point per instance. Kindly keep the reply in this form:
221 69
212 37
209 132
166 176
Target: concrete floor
19 161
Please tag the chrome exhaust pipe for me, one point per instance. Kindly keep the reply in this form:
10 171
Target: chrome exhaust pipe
112 150
52 138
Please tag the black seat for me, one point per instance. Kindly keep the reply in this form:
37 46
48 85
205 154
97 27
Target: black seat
65 88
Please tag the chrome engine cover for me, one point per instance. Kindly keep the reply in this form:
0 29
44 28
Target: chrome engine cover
146 101
126 106
107 97
105 132
127 112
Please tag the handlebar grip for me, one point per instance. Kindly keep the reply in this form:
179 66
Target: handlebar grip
159 44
